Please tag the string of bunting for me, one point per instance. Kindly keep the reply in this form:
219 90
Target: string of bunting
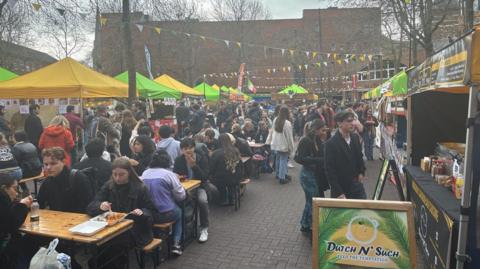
335 57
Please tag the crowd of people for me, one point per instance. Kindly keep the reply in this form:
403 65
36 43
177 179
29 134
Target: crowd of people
114 161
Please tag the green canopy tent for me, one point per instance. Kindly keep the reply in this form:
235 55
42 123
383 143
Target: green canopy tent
208 91
6 74
294 88
395 86
150 89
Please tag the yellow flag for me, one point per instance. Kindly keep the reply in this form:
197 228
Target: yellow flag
36 6
158 30
314 54
292 52
103 21
239 44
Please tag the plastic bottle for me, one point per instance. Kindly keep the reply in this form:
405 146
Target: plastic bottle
34 214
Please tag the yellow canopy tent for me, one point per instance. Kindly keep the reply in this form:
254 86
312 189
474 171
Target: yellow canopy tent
170 82
66 78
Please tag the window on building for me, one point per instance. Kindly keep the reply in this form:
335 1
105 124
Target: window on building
373 72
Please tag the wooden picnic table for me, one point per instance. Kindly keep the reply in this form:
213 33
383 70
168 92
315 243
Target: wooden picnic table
56 224
191 184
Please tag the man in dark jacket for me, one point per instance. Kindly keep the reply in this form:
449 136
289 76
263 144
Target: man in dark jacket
33 125
198 118
193 166
254 113
26 155
224 119
103 168
344 164
183 115
60 192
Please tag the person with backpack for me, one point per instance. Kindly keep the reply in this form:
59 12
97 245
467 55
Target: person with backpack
312 175
63 190
103 168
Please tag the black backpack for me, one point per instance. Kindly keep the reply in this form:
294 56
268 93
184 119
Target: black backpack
90 172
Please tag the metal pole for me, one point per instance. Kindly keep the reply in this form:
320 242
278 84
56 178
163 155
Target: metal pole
461 254
128 50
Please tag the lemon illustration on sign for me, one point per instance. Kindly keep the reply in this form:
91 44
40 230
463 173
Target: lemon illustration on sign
362 230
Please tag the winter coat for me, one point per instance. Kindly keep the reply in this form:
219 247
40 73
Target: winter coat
311 156
13 216
27 158
199 172
281 141
218 171
57 136
125 198
343 163
62 194
254 114
103 169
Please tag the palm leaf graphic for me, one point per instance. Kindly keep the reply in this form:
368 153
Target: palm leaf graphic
393 226
330 220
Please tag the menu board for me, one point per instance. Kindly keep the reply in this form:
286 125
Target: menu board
362 233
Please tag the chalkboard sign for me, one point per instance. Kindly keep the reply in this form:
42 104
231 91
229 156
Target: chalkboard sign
387 168
363 234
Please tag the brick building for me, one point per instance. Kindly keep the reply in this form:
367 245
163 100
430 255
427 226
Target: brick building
345 33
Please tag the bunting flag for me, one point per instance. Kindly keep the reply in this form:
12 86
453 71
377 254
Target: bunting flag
36 6
346 61
202 37
274 70
61 11
362 58
140 27
103 21
314 54
328 55
239 44
284 69
339 61
325 63
158 30
283 52
291 52
300 67
269 71
307 53
11 4
319 64
187 35
334 56
370 57
289 68
265 51
227 43
306 66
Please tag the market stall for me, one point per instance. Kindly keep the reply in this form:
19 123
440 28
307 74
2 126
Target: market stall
147 88
54 87
208 92
171 83
442 97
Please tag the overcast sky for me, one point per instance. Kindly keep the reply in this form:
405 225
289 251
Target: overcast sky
287 9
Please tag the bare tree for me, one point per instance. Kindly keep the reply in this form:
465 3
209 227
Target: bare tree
239 10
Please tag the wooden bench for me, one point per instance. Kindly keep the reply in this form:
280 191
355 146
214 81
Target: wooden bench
237 191
152 248
164 231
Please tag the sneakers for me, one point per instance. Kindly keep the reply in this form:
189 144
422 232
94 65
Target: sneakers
203 235
290 165
177 249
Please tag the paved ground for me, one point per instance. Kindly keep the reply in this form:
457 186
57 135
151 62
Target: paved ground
264 232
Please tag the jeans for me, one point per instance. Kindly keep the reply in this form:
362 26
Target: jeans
368 141
173 215
202 200
281 160
309 185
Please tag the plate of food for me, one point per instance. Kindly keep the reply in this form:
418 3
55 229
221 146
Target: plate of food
111 218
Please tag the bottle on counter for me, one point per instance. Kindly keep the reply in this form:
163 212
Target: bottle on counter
35 214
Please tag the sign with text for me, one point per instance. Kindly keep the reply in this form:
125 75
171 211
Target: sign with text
364 234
